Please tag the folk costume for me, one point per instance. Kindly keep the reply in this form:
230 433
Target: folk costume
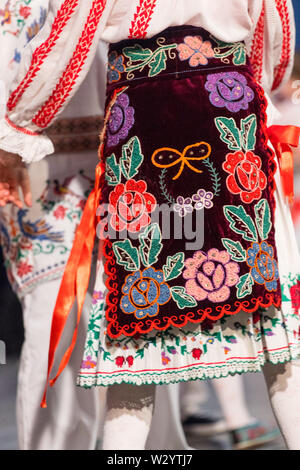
36 242
186 102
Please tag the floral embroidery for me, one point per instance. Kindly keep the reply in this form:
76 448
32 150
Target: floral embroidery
97 296
295 297
196 353
203 199
202 351
195 50
144 292
88 363
264 270
121 120
167 157
229 90
245 175
139 58
116 67
213 281
224 50
131 160
24 268
183 206
130 206
60 212
259 257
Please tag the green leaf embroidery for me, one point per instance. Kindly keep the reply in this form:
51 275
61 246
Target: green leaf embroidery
183 350
158 64
248 132
263 218
181 297
230 134
140 353
127 255
241 222
174 266
136 53
235 249
112 173
239 56
244 287
150 244
216 179
132 158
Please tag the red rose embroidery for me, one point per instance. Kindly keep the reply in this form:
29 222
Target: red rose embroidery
130 206
295 296
120 361
129 361
197 353
245 175
24 11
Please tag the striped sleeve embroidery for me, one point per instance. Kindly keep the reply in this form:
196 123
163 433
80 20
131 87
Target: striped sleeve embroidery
142 18
67 81
63 16
286 52
257 48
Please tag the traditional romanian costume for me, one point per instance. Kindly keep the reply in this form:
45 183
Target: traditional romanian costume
187 127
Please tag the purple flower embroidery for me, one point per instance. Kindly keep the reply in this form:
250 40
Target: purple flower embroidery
203 199
183 206
121 120
88 363
229 90
97 296
210 276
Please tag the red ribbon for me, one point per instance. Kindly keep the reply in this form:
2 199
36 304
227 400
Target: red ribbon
75 281
282 139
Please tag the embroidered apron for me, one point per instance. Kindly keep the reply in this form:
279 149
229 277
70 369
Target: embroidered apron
185 145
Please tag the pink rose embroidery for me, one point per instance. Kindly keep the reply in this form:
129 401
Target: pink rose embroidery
210 276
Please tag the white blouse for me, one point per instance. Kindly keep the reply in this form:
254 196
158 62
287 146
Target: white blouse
57 60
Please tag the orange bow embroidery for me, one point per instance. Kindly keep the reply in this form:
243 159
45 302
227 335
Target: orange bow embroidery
174 157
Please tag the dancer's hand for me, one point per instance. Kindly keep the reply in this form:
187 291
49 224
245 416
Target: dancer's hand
13 177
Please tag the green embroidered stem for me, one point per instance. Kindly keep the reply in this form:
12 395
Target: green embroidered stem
140 66
214 175
163 187
48 249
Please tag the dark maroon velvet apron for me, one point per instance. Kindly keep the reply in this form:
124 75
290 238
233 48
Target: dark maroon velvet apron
185 135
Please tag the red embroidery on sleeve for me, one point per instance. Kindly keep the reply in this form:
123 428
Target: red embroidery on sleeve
70 75
19 129
63 15
257 49
142 17
286 52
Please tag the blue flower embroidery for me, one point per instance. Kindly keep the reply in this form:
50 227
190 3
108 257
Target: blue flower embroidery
144 292
264 269
115 67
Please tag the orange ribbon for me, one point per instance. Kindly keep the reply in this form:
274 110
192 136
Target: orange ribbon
75 281
283 138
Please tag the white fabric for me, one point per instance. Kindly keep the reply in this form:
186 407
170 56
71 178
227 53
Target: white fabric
128 417
71 419
118 21
283 383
